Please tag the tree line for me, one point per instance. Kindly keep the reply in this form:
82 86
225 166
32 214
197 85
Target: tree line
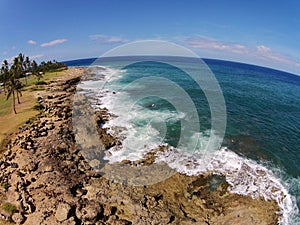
23 67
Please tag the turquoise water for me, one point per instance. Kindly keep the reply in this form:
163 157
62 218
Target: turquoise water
263 108
263 121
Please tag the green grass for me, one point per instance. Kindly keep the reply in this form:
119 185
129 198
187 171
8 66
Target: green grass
5 186
9 122
6 222
5 104
38 106
35 88
9 208
51 75
41 82
48 76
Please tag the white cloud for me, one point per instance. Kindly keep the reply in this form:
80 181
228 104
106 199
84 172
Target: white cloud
107 39
263 49
31 57
266 53
36 56
31 42
211 44
54 42
11 59
260 54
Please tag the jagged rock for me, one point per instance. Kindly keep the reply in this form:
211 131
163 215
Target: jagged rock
94 163
14 165
18 218
91 213
150 202
35 218
8 153
48 168
30 167
70 221
43 134
4 165
62 212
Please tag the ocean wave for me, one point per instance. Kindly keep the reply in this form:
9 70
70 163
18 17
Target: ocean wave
245 176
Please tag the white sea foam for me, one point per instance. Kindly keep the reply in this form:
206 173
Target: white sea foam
245 176
143 131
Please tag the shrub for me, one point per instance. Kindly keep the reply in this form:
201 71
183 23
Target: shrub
41 82
38 106
5 186
9 208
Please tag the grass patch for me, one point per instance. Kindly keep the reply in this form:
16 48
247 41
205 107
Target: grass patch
5 186
41 82
35 89
9 122
38 107
5 104
29 108
6 222
32 80
51 75
9 208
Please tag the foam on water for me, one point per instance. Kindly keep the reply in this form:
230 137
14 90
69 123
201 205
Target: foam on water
137 127
245 176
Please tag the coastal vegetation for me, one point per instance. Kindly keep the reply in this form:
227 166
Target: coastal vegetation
22 67
9 208
20 82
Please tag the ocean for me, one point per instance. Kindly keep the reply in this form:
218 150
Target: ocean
159 104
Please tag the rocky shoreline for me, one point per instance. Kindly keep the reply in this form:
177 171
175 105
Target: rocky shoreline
46 180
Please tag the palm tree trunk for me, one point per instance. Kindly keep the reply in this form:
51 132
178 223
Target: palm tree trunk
18 98
14 102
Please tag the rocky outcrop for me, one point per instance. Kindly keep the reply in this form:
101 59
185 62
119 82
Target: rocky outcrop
46 180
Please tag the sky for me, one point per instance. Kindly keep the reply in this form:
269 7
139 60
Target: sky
265 33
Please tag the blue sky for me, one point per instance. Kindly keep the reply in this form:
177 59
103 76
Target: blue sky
259 32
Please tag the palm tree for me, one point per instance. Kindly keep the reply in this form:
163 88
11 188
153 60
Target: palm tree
26 66
10 75
43 66
14 84
34 66
21 63
14 89
35 70
15 68
4 73
11 91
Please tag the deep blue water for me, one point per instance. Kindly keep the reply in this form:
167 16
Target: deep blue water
263 108
262 105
